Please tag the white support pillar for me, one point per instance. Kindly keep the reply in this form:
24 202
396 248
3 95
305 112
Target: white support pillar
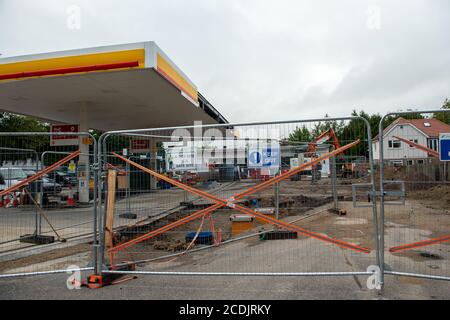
83 162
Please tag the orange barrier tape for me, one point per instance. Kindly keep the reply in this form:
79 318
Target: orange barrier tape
419 244
40 173
222 202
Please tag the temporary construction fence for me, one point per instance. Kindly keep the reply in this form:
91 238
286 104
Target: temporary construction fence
226 189
210 200
414 194
47 202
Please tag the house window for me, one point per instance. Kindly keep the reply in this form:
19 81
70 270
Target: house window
396 162
394 144
413 140
433 144
421 161
409 162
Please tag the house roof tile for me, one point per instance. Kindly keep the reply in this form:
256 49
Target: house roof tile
432 130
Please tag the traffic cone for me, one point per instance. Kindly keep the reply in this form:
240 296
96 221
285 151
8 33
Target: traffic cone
11 201
15 202
6 201
70 199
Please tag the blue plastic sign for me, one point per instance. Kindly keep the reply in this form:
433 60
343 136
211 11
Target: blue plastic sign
271 157
264 157
254 158
444 146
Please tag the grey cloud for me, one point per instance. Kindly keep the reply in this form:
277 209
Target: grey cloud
260 60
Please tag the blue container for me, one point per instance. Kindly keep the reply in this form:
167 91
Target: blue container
204 237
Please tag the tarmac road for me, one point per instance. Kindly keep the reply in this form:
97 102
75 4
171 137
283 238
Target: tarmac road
285 255
226 288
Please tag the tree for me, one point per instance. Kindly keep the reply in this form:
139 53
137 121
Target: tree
16 123
414 115
300 135
356 129
444 116
320 127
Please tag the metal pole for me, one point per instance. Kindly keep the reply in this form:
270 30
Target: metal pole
37 218
374 203
101 211
277 200
334 182
242 274
155 163
127 172
129 132
40 199
95 195
372 178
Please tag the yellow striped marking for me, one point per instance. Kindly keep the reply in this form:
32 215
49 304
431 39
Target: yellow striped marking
75 61
164 67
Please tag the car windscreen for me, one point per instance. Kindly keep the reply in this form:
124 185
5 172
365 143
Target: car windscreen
13 174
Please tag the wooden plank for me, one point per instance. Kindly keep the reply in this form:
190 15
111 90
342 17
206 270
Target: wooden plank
110 203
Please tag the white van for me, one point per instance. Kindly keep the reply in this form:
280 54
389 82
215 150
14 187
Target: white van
10 176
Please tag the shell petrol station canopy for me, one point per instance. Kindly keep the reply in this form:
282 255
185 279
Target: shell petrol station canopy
128 86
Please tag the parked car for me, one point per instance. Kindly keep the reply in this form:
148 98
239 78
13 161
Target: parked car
29 172
63 178
50 187
10 176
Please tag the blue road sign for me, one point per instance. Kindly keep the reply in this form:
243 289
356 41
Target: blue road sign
444 146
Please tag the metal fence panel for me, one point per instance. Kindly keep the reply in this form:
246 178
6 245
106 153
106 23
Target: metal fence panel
239 199
47 203
415 195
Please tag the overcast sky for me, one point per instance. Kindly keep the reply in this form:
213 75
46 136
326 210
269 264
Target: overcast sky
265 60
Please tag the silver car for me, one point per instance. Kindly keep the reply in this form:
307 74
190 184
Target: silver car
10 176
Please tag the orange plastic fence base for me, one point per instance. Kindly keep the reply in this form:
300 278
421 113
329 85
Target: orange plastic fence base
95 281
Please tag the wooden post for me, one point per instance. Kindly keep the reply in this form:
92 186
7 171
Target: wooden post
111 197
